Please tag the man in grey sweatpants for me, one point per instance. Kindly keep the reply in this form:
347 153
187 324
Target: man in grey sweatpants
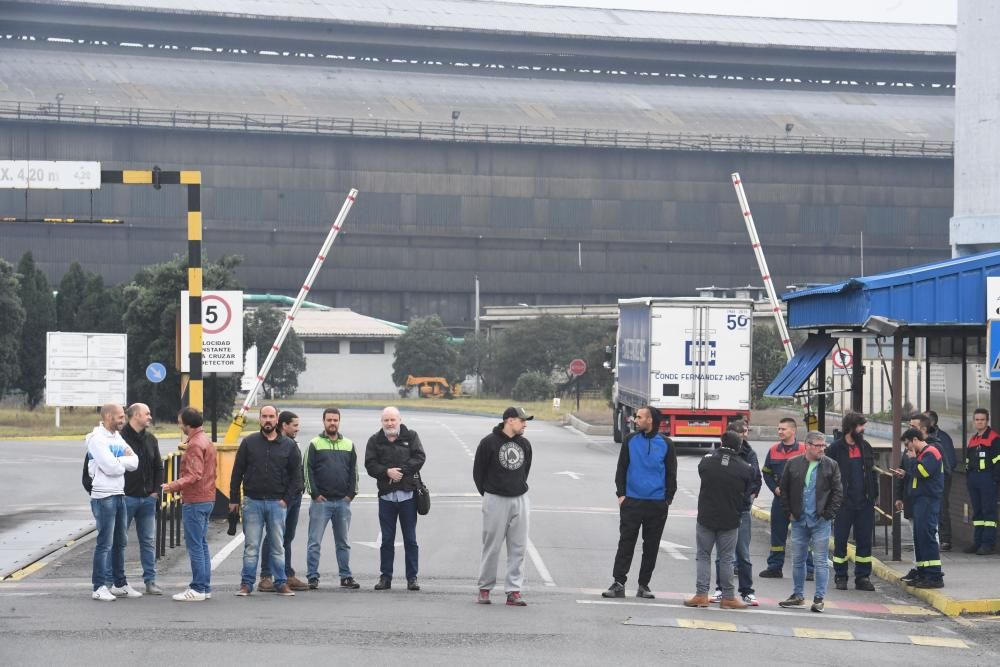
500 471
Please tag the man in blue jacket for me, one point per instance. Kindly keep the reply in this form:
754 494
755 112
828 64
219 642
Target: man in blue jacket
645 483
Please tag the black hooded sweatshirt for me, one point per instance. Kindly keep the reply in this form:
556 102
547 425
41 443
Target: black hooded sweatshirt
502 464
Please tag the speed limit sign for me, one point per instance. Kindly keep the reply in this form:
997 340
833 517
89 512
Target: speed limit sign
221 330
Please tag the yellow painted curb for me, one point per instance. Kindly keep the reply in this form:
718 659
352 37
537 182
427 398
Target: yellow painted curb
945 604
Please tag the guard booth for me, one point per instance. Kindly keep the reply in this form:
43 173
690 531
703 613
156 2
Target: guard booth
940 314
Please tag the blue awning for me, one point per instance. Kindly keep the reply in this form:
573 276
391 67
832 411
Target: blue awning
801 366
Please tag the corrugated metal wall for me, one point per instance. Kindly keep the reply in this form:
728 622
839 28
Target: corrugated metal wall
538 224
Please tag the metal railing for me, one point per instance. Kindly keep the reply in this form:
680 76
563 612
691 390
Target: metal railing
469 132
168 510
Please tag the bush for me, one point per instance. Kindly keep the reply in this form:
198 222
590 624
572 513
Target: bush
533 386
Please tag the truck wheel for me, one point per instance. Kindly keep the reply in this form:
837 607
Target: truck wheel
616 427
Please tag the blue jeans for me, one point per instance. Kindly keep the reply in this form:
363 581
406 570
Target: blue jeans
143 511
256 515
196 539
806 534
406 513
291 523
338 513
744 568
779 535
109 550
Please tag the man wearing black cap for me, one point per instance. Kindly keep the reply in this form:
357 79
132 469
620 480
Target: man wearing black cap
645 483
500 471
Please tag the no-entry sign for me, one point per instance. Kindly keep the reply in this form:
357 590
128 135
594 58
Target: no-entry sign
577 367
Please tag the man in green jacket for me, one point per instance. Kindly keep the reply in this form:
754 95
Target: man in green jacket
330 466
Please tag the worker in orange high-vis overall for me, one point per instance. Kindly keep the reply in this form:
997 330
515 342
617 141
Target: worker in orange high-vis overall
785 449
982 467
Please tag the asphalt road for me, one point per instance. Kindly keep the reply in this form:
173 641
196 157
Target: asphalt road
49 618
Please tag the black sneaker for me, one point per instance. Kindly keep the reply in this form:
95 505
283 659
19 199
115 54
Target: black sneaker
928 583
817 605
412 585
615 591
313 584
644 592
770 574
911 577
840 583
946 546
384 584
348 582
793 601
971 549
864 584
984 550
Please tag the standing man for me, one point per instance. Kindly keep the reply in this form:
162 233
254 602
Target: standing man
500 471
946 446
982 467
197 484
925 466
786 449
288 426
645 482
856 460
394 456
726 481
109 458
142 489
268 464
811 494
744 567
331 473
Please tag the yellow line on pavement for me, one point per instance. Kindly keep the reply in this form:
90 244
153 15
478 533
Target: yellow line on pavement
941 642
816 633
25 571
698 624
909 610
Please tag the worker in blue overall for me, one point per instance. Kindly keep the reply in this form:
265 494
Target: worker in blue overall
924 465
781 452
982 467
856 459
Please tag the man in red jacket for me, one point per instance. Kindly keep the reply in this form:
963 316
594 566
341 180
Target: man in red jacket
197 484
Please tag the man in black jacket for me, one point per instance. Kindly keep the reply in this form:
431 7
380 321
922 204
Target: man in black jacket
142 489
394 457
811 494
726 480
269 468
856 460
500 471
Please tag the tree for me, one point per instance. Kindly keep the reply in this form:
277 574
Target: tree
768 357
101 309
283 378
425 351
39 318
152 304
70 296
475 356
11 323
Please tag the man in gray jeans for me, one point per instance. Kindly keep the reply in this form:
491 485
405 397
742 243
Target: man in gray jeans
503 460
726 480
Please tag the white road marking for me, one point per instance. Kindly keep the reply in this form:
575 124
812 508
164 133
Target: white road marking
224 552
571 475
672 550
750 611
536 558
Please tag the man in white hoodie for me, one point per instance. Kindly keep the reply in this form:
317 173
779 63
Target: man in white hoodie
109 457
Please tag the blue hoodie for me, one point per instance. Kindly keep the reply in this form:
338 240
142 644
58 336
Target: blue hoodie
647 468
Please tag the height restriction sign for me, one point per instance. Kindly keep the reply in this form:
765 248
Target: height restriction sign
222 332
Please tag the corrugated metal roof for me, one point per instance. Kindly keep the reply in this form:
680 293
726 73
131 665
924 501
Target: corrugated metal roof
618 24
947 293
341 323
196 84
798 369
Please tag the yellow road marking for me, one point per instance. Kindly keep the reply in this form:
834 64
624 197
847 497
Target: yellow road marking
816 633
25 571
697 624
944 642
910 610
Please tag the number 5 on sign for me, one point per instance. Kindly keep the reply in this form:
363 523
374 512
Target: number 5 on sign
222 332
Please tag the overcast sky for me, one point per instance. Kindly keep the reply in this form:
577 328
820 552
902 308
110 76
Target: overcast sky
902 11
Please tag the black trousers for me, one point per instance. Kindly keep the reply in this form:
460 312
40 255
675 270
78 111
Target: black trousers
650 516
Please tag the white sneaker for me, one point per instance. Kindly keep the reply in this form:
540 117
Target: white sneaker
716 597
125 591
208 596
750 600
190 595
103 594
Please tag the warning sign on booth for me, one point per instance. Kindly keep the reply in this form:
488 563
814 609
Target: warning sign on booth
222 332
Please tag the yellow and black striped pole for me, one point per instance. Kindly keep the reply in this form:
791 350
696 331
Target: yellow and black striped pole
192 391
